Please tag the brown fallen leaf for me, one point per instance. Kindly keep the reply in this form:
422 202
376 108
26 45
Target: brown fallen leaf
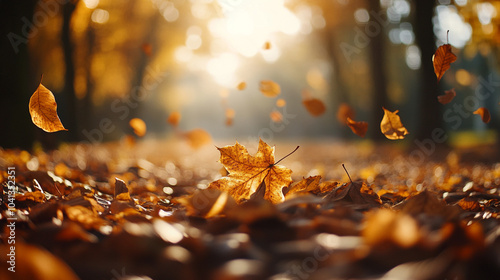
43 110
442 60
391 125
305 185
246 173
447 97
241 86
484 113
197 137
345 111
121 190
174 118
359 128
314 106
385 226
269 88
139 126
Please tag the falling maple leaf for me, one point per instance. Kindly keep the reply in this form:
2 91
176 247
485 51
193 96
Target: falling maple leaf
43 110
241 86
314 106
359 128
442 60
139 126
391 125
247 173
345 111
447 97
269 88
484 113
174 118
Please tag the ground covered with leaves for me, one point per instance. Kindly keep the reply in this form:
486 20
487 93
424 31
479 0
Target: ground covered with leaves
162 210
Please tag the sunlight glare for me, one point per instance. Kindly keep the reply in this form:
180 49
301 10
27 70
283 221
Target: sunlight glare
100 16
91 4
447 18
223 68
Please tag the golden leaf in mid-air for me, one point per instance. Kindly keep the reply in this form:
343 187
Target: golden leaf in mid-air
269 88
247 173
345 111
276 116
359 128
447 97
314 106
43 110
139 126
484 113
241 86
391 125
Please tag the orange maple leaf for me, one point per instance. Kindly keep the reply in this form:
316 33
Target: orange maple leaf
247 173
391 125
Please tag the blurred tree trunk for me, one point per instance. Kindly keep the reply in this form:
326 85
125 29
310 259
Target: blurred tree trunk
377 69
16 78
429 110
69 76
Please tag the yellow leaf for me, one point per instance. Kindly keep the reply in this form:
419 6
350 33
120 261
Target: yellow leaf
314 106
242 86
447 97
43 110
246 173
484 113
391 125
267 45
442 60
269 88
280 102
359 128
229 116
139 126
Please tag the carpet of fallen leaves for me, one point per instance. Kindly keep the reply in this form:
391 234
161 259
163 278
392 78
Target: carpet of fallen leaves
116 211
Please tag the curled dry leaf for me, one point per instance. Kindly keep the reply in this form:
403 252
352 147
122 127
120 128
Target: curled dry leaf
345 111
309 184
198 137
391 125
447 97
241 86
484 113
314 106
43 110
246 173
139 126
442 60
269 88
359 128
174 118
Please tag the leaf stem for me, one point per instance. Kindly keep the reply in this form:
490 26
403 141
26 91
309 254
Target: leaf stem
287 155
347 173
